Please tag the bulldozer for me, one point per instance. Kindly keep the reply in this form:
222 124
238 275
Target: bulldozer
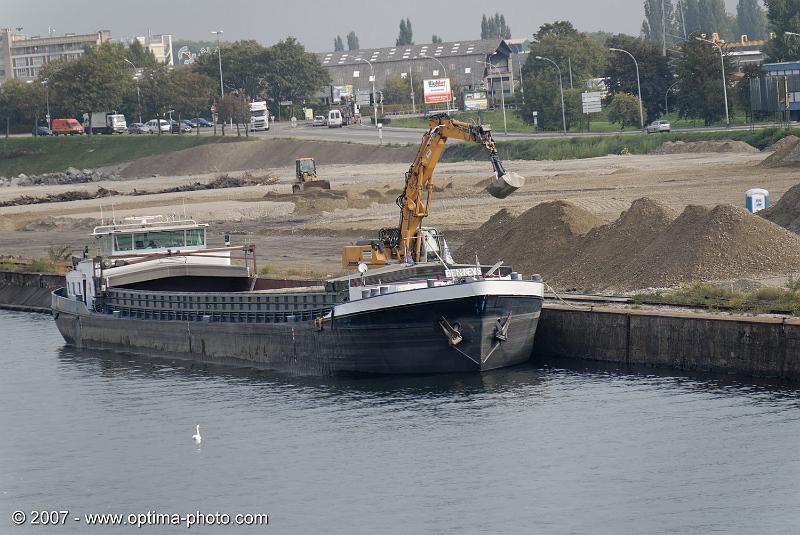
306 176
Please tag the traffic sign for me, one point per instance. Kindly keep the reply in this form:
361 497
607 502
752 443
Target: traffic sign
592 101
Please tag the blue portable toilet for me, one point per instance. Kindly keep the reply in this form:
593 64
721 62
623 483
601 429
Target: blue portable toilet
756 199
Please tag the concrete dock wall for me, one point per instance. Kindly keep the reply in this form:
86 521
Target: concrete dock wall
28 291
757 346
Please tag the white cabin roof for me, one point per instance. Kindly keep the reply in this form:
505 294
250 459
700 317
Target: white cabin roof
158 222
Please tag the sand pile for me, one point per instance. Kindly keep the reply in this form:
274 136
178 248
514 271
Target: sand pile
605 252
689 147
786 212
781 143
538 240
647 246
787 155
712 243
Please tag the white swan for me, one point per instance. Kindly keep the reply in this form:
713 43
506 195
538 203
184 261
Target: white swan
196 437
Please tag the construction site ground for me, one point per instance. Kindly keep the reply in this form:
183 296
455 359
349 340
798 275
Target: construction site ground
302 235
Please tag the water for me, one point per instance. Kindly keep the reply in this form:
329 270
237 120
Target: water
535 449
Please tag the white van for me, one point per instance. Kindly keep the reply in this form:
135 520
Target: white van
334 119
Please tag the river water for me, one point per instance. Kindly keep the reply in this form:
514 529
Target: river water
541 448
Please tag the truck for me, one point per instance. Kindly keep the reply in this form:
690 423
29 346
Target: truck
105 122
259 115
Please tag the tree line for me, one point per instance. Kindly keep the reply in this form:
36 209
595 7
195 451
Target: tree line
129 80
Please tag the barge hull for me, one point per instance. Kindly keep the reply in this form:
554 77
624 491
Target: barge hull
404 340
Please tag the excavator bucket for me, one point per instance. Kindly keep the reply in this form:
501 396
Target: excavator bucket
505 184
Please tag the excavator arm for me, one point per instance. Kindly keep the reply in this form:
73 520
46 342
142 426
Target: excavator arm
415 201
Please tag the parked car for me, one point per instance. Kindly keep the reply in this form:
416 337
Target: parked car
658 126
199 121
139 128
156 124
67 127
177 127
319 120
42 131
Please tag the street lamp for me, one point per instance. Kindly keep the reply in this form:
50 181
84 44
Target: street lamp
502 93
136 76
666 102
411 78
638 84
46 83
218 33
374 99
724 81
561 87
437 60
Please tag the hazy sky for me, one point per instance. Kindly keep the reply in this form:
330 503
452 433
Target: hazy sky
315 23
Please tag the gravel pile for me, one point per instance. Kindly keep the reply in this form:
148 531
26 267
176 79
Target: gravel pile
688 147
648 246
70 176
786 212
781 143
539 240
787 155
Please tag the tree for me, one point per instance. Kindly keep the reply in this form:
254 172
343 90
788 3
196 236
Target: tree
495 27
558 41
190 92
712 16
352 41
783 16
406 37
140 56
435 39
291 73
750 72
243 66
624 109
654 27
654 73
691 12
397 90
94 82
338 45
699 92
21 104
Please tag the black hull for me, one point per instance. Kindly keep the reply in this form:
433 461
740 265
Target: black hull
401 340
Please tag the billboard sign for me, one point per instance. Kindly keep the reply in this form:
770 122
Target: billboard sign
340 91
475 101
436 90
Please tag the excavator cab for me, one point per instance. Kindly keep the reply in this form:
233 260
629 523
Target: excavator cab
306 176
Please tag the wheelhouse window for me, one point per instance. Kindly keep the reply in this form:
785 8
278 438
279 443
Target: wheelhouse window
164 239
123 242
195 237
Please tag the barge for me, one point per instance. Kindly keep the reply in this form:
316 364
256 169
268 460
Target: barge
157 289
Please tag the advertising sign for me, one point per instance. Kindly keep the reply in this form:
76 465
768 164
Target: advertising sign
340 91
436 90
475 101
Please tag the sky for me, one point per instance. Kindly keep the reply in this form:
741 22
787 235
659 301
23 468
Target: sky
314 23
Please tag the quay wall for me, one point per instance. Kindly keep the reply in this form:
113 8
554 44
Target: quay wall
686 340
28 291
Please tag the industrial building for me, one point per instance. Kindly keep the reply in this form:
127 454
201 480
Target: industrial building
778 91
22 57
488 63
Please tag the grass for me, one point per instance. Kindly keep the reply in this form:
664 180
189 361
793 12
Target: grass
565 148
768 299
32 156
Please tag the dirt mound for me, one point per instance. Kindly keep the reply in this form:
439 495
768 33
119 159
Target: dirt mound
260 154
786 212
538 240
690 147
787 155
711 243
781 143
603 253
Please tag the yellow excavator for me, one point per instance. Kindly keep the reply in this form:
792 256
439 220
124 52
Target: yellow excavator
410 241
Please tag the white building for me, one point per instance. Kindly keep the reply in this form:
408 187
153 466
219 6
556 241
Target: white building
22 56
159 45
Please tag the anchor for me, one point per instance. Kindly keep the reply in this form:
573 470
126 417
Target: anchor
501 329
451 332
